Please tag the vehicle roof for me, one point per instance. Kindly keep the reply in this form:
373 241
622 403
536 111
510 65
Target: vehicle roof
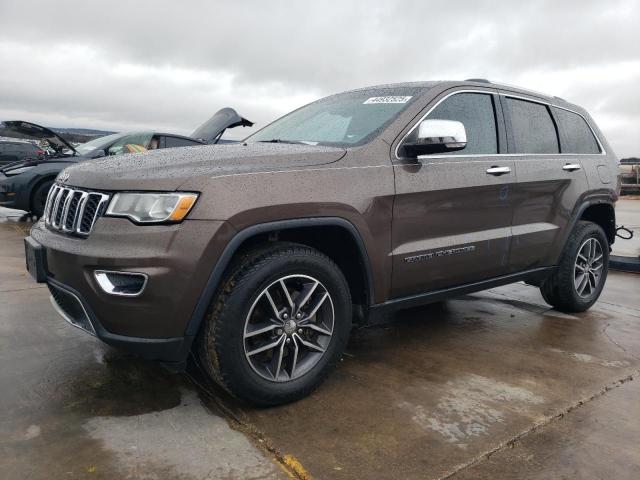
153 132
21 141
516 90
149 132
476 83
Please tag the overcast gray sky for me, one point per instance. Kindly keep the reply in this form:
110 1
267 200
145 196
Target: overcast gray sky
169 65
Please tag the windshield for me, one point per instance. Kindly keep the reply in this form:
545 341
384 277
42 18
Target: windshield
346 119
99 143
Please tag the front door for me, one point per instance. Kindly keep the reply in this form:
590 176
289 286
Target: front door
452 212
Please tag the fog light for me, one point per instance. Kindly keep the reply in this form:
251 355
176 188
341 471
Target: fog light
126 284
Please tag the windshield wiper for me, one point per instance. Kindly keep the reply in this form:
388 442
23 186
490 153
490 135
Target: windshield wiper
279 140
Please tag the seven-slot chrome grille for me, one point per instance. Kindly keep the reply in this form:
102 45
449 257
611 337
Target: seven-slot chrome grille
73 211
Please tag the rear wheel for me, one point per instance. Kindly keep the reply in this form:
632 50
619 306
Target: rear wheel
278 325
39 198
582 272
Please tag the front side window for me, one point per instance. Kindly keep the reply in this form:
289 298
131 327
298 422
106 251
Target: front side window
137 142
476 112
100 143
576 135
345 119
532 127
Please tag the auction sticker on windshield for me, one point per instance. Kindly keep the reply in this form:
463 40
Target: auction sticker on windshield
392 99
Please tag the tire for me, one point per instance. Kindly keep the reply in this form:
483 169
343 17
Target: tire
230 336
569 289
39 198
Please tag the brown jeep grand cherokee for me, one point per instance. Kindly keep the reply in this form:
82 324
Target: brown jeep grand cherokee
258 256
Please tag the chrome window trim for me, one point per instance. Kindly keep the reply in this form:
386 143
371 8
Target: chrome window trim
105 288
495 91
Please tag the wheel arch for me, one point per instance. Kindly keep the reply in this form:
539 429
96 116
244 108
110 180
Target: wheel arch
602 214
37 184
597 210
351 257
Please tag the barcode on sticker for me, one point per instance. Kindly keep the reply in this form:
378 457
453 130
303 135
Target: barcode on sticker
392 99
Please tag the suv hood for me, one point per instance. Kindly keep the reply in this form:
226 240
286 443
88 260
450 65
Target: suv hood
169 169
36 131
211 130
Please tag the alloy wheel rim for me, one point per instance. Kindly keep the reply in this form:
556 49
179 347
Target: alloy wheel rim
288 328
588 268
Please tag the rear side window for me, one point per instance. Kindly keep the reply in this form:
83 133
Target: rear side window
575 134
476 112
171 142
532 127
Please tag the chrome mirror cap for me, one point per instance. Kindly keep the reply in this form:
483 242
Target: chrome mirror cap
448 133
436 136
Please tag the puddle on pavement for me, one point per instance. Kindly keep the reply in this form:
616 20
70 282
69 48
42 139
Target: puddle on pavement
98 411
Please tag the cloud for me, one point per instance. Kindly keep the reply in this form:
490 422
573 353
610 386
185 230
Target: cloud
169 65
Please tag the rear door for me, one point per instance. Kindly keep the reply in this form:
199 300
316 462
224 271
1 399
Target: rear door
549 183
452 212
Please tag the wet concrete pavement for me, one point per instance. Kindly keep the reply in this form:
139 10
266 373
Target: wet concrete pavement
73 408
491 385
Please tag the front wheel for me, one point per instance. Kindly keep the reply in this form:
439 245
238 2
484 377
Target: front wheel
278 325
582 272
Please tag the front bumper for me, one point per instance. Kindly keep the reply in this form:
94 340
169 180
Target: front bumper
177 260
8 197
74 309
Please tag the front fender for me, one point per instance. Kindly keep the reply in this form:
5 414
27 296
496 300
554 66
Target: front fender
234 244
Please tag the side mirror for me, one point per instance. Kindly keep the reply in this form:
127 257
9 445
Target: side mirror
436 136
98 154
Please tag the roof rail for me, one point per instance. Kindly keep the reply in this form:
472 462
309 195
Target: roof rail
526 90
478 80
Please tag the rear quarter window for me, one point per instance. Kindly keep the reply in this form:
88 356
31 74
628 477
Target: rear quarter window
171 142
532 127
575 134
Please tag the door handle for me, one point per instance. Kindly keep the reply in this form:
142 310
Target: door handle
571 167
497 171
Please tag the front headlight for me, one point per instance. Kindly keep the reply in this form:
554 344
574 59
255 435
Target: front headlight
152 207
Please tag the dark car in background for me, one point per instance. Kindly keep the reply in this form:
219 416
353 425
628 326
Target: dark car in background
24 185
15 150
